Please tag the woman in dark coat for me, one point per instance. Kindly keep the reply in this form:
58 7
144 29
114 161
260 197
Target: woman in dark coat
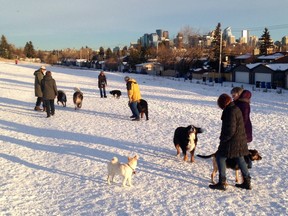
242 100
49 90
102 83
233 142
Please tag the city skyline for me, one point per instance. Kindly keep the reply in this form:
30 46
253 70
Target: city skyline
75 24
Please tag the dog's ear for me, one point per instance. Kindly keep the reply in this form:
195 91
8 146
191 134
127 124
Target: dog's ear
200 130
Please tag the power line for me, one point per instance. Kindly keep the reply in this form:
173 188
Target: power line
272 27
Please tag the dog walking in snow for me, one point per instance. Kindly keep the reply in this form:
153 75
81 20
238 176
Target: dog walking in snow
125 170
77 98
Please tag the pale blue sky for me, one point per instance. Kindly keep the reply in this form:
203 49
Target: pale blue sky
58 24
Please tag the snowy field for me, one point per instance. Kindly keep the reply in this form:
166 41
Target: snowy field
58 166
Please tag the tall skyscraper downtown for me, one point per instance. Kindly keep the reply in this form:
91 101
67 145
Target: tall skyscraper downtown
245 36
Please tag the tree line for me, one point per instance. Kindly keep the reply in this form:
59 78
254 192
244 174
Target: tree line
171 57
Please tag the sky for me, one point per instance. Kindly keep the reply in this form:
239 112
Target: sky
58 166
63 24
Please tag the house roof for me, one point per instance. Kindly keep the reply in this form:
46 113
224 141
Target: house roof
271 57
280 67
245 56
251 66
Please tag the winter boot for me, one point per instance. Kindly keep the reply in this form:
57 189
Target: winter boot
218 186
246 184
37 108
221 185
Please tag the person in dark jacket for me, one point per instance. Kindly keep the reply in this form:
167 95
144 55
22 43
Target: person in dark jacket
39 74
102 83
49 89
233 143
241 99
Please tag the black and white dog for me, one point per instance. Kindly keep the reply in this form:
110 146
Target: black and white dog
142 107
77 98
61 97
185 138
116 93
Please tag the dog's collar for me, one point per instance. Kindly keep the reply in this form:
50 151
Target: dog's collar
134 172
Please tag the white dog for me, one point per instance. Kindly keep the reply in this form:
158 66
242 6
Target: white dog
125 170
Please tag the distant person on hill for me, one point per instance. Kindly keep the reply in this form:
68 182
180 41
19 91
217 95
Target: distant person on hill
49 89
39 74
242 99
134 96
102 83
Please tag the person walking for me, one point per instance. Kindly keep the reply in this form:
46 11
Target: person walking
49 89
233 143
102 83
134 96
39 74
242 100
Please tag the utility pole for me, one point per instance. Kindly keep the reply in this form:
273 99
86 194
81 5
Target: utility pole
220 56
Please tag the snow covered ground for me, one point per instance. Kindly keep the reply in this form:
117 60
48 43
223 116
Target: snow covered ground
57 166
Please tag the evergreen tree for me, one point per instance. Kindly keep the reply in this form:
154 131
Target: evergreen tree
216 42
5 48
217 47
29 50
101 53
265 42
108 53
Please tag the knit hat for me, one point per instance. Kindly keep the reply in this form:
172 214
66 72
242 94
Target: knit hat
237 90
48 73
43 67
126 78
224 100
246 94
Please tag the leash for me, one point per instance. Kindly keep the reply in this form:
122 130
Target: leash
134 172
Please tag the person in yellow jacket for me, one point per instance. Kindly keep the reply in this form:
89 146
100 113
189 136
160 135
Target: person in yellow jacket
134 96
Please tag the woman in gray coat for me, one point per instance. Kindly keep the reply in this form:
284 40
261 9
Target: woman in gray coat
49 90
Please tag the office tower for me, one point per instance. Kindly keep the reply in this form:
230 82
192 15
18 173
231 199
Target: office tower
245 36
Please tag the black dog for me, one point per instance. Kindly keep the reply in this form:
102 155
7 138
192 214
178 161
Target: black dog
185 138
143 108
116 93
61 97
77 98
232 163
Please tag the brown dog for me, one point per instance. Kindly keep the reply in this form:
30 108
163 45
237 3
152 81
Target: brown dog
231 163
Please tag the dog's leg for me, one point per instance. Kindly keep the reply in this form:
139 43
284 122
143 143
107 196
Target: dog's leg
192 155
142 113
177 146
130 181
185 157
124 182
237 176
215 170
146 114
108 180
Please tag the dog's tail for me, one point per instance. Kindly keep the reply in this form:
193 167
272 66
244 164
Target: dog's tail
114 160
205 156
